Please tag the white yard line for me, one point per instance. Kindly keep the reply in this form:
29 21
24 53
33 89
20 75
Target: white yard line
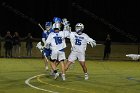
38 78
28 83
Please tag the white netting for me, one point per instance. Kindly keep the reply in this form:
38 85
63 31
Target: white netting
39 46
133 56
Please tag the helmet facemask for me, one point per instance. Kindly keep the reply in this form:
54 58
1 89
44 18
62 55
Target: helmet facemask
48 25
79 29
48 28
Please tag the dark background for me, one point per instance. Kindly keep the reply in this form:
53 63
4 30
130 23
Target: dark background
122 14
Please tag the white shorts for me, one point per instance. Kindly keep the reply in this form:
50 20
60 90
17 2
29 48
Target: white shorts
58 55
76 55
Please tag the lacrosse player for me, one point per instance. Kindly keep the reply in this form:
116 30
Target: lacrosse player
79 42
57 42
46 50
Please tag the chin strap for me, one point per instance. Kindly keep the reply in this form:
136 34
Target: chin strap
79 32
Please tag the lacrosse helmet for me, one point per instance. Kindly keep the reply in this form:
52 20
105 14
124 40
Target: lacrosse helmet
57 19
79 27
48 25
57 23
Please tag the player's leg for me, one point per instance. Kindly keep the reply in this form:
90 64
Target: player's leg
46 53
46 63
53 65
61 58
81 58
63 70
57 63
68 65
72 57
83 65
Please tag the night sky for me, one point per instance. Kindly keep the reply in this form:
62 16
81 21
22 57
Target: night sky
122 14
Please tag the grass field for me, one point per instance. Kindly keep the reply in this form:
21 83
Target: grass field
104 77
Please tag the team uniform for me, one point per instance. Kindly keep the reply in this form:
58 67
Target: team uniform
46 50
57 44
79 44
56 40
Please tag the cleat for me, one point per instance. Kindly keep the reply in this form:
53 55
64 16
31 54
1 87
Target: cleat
63 77
46 68
86 77
56 75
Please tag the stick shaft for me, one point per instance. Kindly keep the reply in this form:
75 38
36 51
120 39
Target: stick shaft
41 26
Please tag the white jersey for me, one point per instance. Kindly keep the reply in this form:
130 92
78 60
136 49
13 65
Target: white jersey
79 42
57 40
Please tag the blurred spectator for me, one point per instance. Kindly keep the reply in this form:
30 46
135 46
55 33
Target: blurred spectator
8 45
29 44
16 45
0 44
107 48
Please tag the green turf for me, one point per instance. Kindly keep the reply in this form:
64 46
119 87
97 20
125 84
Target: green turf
104 77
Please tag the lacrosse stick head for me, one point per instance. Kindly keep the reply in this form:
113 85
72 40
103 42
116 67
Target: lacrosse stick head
39 46
65 22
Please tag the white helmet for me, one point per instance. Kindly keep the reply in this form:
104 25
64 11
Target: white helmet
79 27
57 25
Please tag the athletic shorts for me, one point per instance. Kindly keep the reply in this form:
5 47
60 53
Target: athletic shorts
58 55
47 52
76 55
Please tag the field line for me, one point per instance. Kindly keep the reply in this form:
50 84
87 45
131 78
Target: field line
28 83
38 78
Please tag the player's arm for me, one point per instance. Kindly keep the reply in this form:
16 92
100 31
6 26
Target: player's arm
72 39
43 37
91 41
66 24
43 40
48 41
67 28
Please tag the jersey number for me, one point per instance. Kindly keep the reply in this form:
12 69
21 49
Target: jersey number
58 40
78 42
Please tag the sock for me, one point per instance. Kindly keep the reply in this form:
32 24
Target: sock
63 74
86 73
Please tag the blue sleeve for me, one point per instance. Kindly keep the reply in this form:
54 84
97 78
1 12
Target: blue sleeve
51 30
43 35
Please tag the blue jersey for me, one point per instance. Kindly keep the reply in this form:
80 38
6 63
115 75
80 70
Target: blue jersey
45 34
